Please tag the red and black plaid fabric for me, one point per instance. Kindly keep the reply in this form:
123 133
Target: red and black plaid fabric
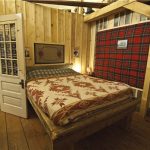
124 65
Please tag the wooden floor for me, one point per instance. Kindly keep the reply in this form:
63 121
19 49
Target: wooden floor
28 134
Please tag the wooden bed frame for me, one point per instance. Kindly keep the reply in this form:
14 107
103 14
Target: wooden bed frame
64 138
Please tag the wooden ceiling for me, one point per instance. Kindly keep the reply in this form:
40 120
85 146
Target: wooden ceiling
71 3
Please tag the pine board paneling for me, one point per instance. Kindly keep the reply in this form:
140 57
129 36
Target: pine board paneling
2 7
24 22
19 6
39 23
61 26
10 6
73 16
54 25
47 25
78 39
30 29
67 36
81 34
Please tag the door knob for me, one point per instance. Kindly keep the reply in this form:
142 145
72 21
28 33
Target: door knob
22 83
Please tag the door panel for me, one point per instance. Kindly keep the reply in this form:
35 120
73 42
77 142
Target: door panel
12 101
8 86
11 94
12 62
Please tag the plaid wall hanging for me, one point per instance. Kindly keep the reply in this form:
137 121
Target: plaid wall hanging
124 65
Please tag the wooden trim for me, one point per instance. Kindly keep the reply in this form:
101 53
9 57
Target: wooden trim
139 8
108 10
11 17
145 101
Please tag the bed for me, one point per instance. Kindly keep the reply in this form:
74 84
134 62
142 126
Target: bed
72 106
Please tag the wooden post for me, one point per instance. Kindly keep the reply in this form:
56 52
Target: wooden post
145 101
90 60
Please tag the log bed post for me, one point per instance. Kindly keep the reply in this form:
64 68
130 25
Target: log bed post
146 90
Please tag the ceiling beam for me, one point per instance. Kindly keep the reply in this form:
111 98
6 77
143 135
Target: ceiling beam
70 3
139 8
144 1
107 10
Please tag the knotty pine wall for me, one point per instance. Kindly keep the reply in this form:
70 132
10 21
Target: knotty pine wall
49 25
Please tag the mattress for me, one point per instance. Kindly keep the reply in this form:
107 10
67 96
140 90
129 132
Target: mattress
69 98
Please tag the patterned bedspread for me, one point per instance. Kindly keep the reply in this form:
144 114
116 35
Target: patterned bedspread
68 99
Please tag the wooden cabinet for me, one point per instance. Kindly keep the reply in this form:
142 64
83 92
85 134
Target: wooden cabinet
12 66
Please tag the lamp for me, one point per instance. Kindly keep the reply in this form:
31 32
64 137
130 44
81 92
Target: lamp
77 67
88 70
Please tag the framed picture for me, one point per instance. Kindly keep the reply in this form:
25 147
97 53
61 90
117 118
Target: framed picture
122 44
48 53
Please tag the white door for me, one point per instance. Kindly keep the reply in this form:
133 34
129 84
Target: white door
12 66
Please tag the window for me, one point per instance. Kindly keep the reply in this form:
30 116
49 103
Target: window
143 18
128 17
122 18
116 20
102 24
105 23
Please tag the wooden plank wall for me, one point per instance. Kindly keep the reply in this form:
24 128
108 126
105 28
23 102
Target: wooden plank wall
44 24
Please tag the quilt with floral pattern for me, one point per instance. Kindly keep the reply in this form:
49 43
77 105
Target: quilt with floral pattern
68 99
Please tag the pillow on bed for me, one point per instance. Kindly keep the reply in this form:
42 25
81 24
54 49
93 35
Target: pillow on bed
44 73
